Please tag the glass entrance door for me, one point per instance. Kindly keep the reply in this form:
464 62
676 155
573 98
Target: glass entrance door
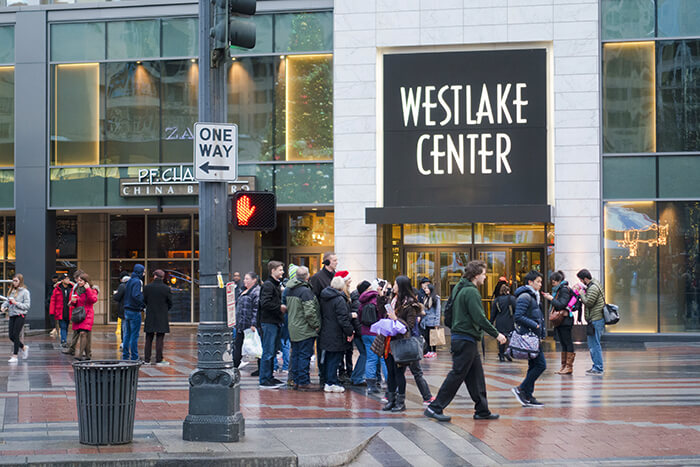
452 264
419 264
524 261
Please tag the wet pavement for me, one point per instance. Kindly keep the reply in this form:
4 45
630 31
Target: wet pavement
645 410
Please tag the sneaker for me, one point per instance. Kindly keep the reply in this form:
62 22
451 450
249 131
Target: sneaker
242 365
64 345
384 399
360 384
490 416
519 396
146 362
276 381
440 417
25 352
327 388
268 385
337 388
163 363
534 403
428 401
255 373
13 359
427 355
593 371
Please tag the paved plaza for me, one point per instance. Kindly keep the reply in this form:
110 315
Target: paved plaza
645 410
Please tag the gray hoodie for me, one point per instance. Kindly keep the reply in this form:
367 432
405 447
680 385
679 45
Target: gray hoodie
22 302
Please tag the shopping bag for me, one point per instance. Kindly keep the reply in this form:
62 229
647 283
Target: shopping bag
252 345
437 337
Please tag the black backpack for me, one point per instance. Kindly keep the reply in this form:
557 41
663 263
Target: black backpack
447 312
368 314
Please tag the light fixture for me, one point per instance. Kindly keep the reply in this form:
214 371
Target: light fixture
282 57
138 62
193 60
66 210
233 59
146 209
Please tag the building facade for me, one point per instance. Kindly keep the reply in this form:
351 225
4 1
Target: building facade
408 136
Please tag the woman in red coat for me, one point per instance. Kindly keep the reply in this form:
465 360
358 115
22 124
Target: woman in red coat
84 295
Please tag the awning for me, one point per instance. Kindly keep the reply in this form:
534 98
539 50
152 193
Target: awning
506 214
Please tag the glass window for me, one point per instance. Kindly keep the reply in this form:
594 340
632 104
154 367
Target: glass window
278 237
76 118
169 237
678 18
302 183
7 116
133 39
678 96
127 239
311 229
263 37
420 264
180 37
132 112
254 97
7 189
10 234
679 264
67 237
304 32
678 177
631 268
77 41
7 44
180 81
508 233
629 177
627 19
436 234
628 98
309 104
77 186
178 276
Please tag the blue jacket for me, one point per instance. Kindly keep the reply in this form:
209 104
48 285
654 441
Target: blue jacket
133 295
528 314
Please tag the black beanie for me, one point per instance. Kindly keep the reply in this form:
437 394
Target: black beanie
362 286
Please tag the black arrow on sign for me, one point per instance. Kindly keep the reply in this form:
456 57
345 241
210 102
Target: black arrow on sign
206 167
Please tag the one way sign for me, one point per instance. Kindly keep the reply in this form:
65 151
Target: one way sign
215 152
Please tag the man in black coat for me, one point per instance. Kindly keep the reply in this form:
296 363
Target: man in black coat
271 319
324 276
159 301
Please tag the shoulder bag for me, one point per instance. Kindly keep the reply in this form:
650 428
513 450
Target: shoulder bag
525 346
610 312
79 314
406 350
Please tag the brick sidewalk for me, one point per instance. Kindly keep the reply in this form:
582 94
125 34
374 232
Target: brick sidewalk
645 409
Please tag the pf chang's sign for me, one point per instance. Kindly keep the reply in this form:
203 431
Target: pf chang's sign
465 128
172 181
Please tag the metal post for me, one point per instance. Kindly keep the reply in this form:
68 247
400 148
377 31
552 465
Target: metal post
214 409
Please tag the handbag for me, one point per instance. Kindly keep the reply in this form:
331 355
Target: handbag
523 346
437 336
556 317
79 314
406 350
378 345
610 314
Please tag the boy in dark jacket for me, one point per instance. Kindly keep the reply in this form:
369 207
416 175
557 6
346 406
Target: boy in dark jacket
133 306
271 320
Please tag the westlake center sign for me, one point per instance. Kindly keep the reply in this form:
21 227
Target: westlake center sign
465 129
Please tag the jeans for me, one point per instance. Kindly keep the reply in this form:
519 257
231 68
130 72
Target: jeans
396 380
301 359
373 360
63 324
535 367
332 362
284 347
130 350
358 373
270 337
594 344
467 369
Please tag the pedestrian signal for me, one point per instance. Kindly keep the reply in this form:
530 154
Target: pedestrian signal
255 210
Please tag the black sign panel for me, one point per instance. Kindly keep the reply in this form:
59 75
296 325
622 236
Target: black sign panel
465 128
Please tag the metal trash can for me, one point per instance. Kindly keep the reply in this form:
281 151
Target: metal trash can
105 394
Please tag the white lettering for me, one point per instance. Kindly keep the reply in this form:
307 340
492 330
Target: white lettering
165 176
468 93
445 106
484 153
454 153
190 189
159 190
428 104
187 176
170 190
456 88
143 173
436 154
502 152
410 104
502 95
519 103
419 155
484 107
472 151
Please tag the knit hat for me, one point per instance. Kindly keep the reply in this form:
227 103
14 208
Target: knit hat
424 279
344 274
292 271
362 286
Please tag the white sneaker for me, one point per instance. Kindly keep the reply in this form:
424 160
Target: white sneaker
25 352
326 388
163 363
13 359
337 388
242 365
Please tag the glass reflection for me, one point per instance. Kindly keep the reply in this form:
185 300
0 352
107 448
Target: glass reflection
437 234
67 237
178 276
420 264
127 237
508 233
169 237
311 229
627 19
180 81
7 116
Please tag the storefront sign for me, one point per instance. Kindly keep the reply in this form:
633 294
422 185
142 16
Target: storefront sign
172 181
465 128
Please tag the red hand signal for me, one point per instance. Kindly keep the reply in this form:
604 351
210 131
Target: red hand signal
244 210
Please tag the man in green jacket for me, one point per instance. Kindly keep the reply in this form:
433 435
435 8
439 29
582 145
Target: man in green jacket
593 299
304 322
468 325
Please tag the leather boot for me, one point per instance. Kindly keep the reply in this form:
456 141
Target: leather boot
400 405
391 401
570 357
372 386
563 363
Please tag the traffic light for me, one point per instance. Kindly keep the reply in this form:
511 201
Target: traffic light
232 27
255 210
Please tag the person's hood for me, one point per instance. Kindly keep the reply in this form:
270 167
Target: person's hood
354 295
125 279
528 290
329 293
294 283
138 271
368 295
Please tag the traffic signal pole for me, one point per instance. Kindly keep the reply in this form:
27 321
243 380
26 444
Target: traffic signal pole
214 404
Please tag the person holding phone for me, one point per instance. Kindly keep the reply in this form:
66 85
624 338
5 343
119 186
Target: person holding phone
17 306
85 295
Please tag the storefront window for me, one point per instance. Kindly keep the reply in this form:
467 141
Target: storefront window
77 41
629 177
67 237
133 39
304 32
678 177
677 18
180 81
437 234
631 238
178 276
127 237
10 234
180 37
7 44
508 233
169 237
311 229
7 116
7 189
679 267
627 19
629 121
